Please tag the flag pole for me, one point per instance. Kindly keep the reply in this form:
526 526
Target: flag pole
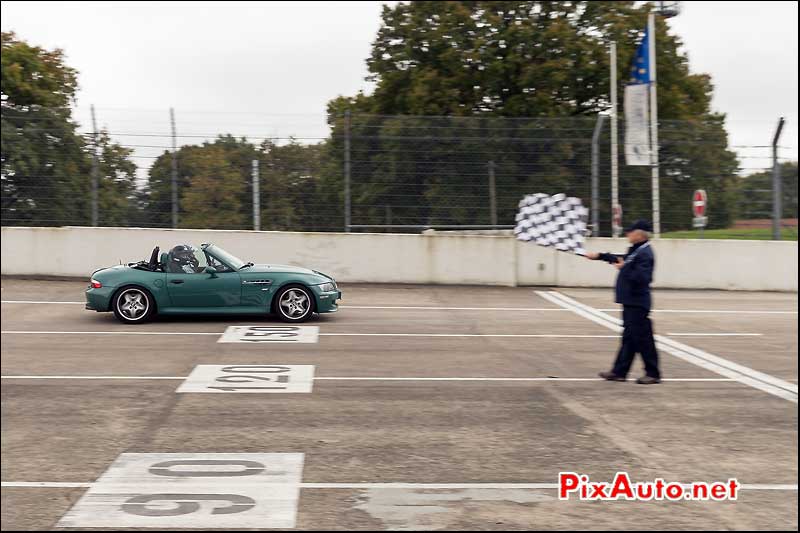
651 48
614 140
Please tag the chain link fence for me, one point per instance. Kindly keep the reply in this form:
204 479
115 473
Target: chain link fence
371 173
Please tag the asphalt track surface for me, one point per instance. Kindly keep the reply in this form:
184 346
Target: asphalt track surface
415 452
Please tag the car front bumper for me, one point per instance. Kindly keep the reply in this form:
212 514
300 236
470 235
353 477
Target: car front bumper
327 301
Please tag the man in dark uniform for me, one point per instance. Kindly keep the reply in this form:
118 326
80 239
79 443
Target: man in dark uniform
633 292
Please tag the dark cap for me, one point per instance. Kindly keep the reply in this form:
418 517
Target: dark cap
640 224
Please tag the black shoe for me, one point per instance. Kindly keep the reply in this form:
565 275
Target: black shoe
648 380
610 376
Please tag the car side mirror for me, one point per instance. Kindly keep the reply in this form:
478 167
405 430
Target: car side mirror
211 270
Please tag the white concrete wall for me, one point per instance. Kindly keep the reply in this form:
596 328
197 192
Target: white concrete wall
391 258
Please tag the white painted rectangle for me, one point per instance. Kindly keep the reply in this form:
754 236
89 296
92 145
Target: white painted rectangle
193 490
249 379
270 334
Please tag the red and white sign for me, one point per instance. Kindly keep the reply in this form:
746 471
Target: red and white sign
616 216
699 202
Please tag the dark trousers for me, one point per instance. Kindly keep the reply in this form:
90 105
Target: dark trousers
637 337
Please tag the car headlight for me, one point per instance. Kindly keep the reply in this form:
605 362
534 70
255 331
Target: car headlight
327 287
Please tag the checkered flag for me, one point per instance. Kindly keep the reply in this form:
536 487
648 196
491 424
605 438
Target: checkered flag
558 221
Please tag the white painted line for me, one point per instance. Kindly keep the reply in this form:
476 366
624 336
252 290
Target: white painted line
437 308
769 486
192 491
500 486
443 308
41 302
609 322
94 377
718 311
345 378
714 363
375 378
310 336
44 485
510 335
128 332
430 486
120 332
249 379
408 486
715 334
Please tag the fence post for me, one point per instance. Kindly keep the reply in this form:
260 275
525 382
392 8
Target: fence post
614 141
596 175
256 197
492 195
174 174
95 173
777 194
347 205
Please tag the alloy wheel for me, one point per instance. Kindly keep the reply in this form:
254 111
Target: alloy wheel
133 304
294 303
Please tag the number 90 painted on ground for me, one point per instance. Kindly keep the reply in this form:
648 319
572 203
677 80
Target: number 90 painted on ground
172 490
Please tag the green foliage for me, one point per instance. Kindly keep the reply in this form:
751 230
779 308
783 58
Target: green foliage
117 191
33 76
458 85
756 192
519 59
289 175
46 164
215 184
212 198
750 234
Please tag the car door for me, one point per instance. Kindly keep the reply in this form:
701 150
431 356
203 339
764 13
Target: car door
204 290
200 289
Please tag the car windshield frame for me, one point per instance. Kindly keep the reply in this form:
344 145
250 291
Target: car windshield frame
224 256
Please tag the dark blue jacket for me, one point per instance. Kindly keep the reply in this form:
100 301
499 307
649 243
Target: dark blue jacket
633 280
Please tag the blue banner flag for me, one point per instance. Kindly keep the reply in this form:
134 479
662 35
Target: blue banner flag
640 70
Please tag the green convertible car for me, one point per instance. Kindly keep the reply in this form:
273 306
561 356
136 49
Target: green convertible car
209 280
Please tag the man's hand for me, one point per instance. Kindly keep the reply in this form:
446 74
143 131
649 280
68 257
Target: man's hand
591 255
619 264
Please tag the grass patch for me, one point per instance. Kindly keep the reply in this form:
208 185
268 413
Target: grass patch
787 234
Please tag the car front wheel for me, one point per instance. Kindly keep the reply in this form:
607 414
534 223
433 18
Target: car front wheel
133 305
294 304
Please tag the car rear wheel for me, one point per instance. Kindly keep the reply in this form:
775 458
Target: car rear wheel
133 305
294 303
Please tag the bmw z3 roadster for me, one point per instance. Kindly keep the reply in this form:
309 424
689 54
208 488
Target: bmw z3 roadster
208 280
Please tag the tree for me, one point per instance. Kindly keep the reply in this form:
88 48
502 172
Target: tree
42 155
46 163
197 165
117 190
289 176
212 198
546 61
756 192
215 180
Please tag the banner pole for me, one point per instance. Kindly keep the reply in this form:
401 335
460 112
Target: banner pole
651 48
614 141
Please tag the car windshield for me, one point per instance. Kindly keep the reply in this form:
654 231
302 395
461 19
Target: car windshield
225 257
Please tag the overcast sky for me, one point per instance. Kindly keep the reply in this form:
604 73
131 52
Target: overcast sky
268 68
